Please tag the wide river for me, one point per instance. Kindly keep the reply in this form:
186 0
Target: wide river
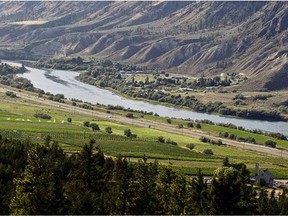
65 82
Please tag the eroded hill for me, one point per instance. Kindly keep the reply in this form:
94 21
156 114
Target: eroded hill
184 37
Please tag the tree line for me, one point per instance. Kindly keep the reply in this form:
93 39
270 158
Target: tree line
42 179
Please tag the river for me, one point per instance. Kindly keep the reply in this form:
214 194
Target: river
65 82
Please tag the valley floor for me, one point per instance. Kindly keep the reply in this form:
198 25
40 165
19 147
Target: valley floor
17 115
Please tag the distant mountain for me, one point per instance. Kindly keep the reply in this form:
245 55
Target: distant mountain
184 37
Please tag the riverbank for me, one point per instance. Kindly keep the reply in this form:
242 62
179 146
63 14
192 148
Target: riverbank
78 90
159 97
130 82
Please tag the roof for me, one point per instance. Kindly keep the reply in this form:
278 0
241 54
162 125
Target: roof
267 172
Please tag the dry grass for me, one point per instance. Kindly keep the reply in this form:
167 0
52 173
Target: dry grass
270 104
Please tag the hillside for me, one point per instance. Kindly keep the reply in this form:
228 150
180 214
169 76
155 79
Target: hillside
183 37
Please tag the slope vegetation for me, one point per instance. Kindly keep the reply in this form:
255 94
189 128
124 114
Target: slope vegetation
184 37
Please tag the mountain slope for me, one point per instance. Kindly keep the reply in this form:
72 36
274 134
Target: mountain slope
184 37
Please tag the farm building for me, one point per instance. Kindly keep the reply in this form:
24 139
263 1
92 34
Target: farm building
266 178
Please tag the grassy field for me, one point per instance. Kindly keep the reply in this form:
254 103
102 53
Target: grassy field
213 129
278 97
17 121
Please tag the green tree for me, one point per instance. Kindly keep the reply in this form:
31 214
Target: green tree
226 162
86 124
197 201
144 188
208 152
161 139
108 130
270 143
262 203
283 203
121 193
47 140
127 133
171 190
39 190
95 127
247 198
190 124
190 146
88 179
231 192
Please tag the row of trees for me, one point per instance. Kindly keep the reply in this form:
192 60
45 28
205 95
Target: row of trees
37 179
276 135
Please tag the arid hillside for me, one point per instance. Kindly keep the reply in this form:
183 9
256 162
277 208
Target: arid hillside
184 37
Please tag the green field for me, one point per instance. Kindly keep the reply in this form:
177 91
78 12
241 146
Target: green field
17 121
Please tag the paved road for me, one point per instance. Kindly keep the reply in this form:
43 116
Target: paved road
194 133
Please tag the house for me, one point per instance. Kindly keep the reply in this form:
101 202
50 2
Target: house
266 178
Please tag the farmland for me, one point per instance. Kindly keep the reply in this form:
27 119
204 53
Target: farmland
17 120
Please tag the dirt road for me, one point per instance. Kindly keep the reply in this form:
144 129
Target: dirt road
194 133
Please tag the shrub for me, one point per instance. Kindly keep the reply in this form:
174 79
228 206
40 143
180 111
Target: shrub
171 142
160 139
241 139
42 115
180 125
239 97
190 124
198 125
208 152
47 140
10 94
224 134
69 119
261 97
129 115
220 142
204 139
86 124
108 130
232 136
94 126
127 132
250 140
133 136
169 121
190 146
270 143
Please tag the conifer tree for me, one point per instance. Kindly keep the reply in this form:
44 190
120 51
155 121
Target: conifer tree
121 193
144 200
197 202
171 190
38 191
